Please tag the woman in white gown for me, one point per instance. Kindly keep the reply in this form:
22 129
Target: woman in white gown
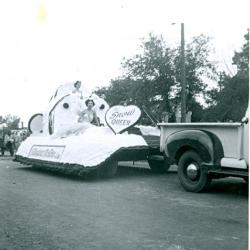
88 114
77 90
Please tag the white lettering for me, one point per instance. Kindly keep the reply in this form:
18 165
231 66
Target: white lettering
120 122
122 114
46 152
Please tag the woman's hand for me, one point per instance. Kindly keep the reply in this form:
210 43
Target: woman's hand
81 115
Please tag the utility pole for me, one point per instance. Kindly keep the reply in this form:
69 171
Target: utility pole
183 76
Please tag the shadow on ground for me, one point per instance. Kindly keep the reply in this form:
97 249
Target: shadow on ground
122 172
228 185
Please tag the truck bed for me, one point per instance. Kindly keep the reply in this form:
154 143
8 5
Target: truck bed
228 133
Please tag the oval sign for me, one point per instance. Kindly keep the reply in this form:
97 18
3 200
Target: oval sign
120 118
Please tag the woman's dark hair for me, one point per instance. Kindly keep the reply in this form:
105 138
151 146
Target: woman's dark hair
89 100
76 83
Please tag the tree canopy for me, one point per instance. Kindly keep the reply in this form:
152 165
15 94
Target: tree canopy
229 102
152 78
11 121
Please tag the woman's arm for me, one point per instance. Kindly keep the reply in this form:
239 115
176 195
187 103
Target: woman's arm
81 115
96 119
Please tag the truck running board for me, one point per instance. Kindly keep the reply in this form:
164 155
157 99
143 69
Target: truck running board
229 172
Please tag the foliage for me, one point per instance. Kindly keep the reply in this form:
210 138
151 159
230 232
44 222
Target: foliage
152 78
153 71
229 102
241 59
198 69
11 121
119 91
125 92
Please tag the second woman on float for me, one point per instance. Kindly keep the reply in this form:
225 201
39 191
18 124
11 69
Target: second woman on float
88 114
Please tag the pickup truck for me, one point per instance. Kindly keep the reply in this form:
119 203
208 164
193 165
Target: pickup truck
204 151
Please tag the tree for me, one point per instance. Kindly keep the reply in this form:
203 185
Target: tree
11 121
241 59
120 91
125 92
151 78
198 70
230 101
152 73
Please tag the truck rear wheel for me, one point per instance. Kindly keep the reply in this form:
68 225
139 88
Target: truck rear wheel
193 177
158 164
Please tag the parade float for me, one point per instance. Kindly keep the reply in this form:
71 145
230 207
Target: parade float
58 141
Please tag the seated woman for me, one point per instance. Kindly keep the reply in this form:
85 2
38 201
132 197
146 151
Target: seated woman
88 114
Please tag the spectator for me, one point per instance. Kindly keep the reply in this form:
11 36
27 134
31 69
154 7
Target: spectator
9 143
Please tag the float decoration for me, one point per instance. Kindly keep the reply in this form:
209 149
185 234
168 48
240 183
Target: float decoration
35 124
120 118
59 141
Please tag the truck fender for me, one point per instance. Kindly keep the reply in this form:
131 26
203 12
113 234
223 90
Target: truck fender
205 143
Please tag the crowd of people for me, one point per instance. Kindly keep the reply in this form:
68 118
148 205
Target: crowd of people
11 140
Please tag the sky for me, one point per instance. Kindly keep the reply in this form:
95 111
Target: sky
46 43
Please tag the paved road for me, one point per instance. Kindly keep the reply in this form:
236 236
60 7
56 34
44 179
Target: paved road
134 210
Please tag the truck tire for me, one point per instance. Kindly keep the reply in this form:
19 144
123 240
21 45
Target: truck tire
160 165
109 169
193 177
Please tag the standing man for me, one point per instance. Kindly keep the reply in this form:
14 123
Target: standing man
9 143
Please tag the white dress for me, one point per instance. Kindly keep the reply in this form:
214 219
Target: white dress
86 116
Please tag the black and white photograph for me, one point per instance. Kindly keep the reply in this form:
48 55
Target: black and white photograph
124 125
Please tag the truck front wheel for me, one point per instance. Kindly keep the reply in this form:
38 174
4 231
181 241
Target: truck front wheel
193 177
